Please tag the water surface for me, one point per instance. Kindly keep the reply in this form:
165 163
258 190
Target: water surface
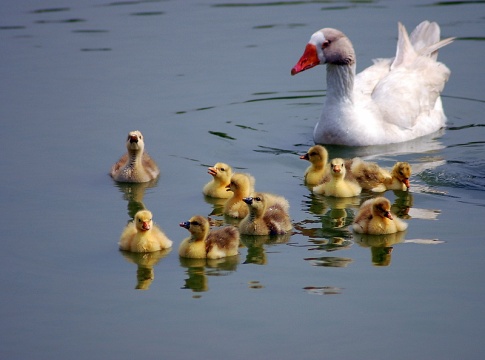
209 81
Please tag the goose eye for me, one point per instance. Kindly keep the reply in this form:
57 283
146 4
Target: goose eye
325 44
257 198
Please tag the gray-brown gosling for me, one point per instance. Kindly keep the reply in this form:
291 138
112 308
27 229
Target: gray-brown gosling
206 243
136 166
267 215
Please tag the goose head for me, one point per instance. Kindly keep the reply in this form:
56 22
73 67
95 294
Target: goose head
326 46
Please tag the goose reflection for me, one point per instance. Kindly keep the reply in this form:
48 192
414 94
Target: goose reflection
257 246
134 194
145 263
381 246
199 270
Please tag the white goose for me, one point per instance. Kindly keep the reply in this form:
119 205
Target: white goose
394 100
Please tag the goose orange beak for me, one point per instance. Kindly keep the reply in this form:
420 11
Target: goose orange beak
308 60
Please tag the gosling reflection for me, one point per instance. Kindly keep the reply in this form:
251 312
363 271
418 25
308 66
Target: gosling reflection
381 246
199 270
334 216
217 205
134 193
145 263
257 244
403 207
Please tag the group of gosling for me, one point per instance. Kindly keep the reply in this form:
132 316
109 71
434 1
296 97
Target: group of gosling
260 213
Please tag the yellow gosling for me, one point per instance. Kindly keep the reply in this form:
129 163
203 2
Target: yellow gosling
221 177
241 185
141 235
318 157
336 185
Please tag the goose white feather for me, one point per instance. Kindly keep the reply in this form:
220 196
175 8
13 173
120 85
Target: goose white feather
394 100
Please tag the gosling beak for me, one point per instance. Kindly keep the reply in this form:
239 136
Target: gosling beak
388 215
248 200
145 226
406 182
212 171
305 157
185 224
133 139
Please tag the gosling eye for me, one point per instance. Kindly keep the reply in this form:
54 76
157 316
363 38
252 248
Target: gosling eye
257 198
196 223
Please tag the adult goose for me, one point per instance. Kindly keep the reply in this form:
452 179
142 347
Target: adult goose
394 100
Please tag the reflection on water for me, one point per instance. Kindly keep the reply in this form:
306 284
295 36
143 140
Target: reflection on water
145 262
322 290
134 193
198 271
381 246
256 246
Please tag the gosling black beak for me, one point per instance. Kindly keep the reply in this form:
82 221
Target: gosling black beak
248 200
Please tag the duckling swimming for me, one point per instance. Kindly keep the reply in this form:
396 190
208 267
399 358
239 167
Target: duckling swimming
374 217
318 157
266 216
336 184
136 166
241 185
221 178
141 235
206 243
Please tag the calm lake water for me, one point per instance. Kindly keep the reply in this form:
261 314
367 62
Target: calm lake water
209 81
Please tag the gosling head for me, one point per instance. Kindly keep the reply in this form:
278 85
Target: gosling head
143 220
316 155
337 166
220 170
197 225
382 207
402 171
134 141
